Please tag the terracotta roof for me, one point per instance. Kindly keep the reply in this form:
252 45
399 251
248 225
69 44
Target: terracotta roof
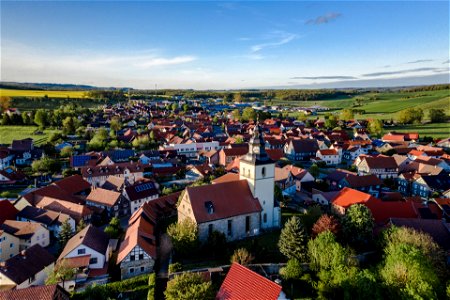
228 199
43 292
102 196
113 183
76 211
113 169
22 229
382 211
8 211
226 178
73 184
243 283
91 237
238 151
381 162
328 152
347 197
275 154
27 264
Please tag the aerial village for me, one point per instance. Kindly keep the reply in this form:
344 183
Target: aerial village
144 192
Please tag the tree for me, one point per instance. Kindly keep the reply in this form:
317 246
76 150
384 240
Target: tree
326 223
5 103
437 115
237 97
292 242
115 124
236 114
41 118
375 127
188 286
410 115
314 170
65 234
346 114
70 125
66 151
61 272
357 224
292 271
184 236
46 165
217 243
331 121
242 256
174 106
185 107
25 118
81 225
311 216
248 114
6 120
114 229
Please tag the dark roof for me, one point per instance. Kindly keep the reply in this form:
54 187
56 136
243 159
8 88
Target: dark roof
435 228
43 292
91 237
8 211
27 264
338 174
362 181
141 190
381 162
305 145
73 184
40 215
228 199
120 155
22 229
439 182
22 145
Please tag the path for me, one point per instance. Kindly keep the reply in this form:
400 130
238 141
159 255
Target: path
164 252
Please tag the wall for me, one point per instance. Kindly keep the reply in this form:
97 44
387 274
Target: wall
238 227
6 250
100 257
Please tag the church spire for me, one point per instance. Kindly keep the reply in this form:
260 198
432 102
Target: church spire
257 151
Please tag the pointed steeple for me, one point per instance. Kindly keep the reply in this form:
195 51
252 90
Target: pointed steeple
257 152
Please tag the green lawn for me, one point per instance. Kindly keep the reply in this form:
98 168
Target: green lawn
436 130
10 133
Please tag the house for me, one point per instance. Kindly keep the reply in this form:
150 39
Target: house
400 137
301 150
11 176
114 183
139 193
329 156
198 172
381 166
6 157
404 182
76 211
24 152
28 268
323 198
112 203
227 155
289 178
137 253
425 185
243 283
44 292
346 198
28 233
50 219
97 175
370 184
91 242
9 245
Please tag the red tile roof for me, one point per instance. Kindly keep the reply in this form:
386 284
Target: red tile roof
228 199
43 292
226 178
347 197
104 197
242 283
8 211
382 211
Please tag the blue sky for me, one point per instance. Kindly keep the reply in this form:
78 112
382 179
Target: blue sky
216 45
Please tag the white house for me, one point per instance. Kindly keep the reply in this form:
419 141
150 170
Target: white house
9 245
329 156
28 233
140 192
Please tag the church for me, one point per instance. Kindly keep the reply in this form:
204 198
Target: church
238 206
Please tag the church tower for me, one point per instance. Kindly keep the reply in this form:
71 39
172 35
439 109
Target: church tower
259 171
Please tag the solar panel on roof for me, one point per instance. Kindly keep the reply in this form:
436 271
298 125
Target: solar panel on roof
144 187
9 171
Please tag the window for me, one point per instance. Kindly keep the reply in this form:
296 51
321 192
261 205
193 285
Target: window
31 279
93 261
263 172
132 257
142 269
141 256
11 245
247 224
210 229
81 251
265 218
131 270
230 229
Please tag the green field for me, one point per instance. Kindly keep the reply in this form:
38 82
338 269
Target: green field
436 130
10 133
38 94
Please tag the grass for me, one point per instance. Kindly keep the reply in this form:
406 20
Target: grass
39 94
10 133
435 130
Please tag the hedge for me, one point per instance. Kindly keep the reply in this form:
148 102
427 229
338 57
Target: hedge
151 287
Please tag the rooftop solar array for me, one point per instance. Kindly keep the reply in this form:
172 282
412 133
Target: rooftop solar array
144 187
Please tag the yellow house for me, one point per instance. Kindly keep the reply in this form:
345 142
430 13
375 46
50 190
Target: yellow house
9 245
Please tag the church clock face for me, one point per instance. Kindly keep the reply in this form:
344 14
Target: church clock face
255 149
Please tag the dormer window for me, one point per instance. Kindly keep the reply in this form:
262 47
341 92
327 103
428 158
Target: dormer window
209 207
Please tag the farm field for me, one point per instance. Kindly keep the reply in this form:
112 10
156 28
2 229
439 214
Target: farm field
435 130
39 93
10 133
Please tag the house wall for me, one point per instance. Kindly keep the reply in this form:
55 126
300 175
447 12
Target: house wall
135 205
9 246
6 283
101 259
237 227
129 268
40 237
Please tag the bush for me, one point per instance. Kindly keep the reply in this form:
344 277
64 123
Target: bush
151 286
176 267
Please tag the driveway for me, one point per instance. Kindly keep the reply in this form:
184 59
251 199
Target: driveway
164 252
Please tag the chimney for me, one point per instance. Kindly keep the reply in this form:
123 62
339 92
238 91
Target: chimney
23 253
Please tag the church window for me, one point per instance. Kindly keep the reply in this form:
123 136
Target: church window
210 229
248 173
247 224
263 171
265 218
230 229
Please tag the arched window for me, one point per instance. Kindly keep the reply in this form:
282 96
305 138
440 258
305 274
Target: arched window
263 172
243 171
265 218
248 173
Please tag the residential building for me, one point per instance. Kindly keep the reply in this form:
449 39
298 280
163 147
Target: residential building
28 268
28 233
381 166
44 292
97 175
141 192
301 150
112 203
329 156
50 219
9 245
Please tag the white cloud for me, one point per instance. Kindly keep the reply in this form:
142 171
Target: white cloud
277 38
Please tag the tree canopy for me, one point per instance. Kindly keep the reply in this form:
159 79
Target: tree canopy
188 286
293 239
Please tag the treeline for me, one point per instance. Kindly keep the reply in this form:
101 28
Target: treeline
45 86
435 87
111 95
